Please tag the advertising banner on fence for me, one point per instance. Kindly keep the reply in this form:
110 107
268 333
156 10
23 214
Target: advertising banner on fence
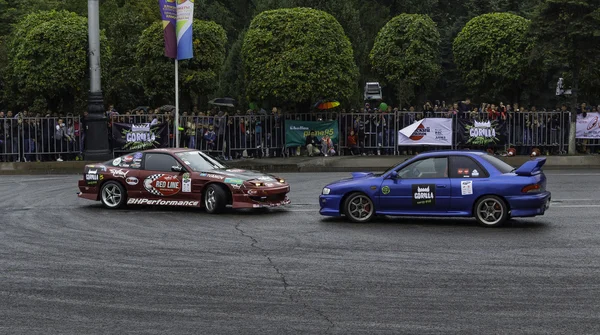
434 131
588 127
134 137
296 131
482 133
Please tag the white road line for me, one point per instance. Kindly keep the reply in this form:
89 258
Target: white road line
574 206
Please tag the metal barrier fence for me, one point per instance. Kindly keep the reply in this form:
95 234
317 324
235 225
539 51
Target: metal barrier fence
30 139
263 135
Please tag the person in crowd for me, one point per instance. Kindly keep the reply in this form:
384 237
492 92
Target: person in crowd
311 144
327 146
210 137
352 142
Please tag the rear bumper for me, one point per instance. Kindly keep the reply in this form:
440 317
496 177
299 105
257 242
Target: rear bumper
529 205
330 205
87 191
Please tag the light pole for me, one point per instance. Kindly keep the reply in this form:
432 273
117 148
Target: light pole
96 131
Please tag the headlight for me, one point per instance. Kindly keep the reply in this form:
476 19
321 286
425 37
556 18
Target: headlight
282 181
257 183
326 191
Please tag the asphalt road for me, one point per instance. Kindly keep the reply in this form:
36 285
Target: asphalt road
69 266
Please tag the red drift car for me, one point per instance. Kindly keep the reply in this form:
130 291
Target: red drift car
179 177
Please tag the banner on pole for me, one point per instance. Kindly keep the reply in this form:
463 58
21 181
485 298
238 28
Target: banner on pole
133 137
487 133
296 131
588 127
168 11
430 131
185 20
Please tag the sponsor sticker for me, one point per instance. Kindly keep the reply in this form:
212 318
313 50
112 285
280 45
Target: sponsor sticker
135 166
132 181
186 183
461 171
162 185
475 173
119 173
143 201
99 167
423 195
138 155
266 178
128 159
386 190
466 187
117 161
234 181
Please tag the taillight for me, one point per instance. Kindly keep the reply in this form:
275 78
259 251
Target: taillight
532 188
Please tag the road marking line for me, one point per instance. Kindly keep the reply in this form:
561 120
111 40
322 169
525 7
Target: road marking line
574 206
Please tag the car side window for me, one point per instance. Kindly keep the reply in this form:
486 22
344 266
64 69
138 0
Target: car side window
159 162
434 167
466 167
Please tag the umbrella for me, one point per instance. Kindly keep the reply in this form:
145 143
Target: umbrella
167 108
225 102
328 105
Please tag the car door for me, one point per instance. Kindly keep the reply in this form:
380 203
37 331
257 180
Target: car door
159 181
467 178
422 187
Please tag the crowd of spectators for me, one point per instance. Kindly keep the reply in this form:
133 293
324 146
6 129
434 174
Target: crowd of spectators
233 134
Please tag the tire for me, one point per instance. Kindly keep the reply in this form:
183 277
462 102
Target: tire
215 199
491 211
113 195
359 208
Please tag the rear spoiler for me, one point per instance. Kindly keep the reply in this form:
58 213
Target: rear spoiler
531 168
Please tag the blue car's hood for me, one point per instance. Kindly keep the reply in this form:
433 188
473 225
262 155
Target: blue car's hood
355 176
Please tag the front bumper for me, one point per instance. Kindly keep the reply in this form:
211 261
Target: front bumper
330 205
262 198
529 205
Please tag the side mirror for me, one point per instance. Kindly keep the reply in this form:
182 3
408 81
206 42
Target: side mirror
395 175
177 168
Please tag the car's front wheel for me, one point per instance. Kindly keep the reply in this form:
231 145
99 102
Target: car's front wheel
113 195
359 208
215 199
491 211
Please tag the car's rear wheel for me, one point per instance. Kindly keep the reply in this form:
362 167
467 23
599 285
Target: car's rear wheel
359 208
215 199
113 195
491 211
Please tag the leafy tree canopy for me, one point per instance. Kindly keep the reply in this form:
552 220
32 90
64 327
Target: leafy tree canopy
198 76
491 53
406 54
298 55
48 60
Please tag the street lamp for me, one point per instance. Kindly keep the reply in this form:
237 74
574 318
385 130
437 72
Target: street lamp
96 131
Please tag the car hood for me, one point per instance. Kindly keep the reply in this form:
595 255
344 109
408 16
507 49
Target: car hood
242 174
354 177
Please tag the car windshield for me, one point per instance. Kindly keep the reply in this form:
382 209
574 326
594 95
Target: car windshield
499 164
199 161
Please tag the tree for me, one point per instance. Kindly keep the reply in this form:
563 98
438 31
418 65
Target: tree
198 76
124 25
406 55
298 55
491 53
566 35
232 77
48 61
